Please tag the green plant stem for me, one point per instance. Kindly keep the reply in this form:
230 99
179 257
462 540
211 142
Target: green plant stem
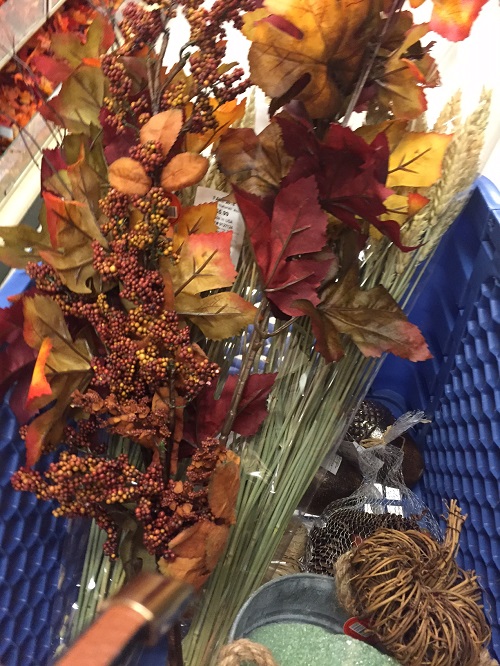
256 340
300 422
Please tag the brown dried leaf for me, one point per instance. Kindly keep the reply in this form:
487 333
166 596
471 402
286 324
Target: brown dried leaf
191 541
371 318
191 570
183 170
216 543
129 176
258 164
223 491
163 127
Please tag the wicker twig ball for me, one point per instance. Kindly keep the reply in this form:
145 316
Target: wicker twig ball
423 609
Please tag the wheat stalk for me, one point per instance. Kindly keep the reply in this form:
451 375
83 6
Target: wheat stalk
447 197
451 114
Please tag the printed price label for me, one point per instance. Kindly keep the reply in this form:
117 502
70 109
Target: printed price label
228 217
332 463
358 629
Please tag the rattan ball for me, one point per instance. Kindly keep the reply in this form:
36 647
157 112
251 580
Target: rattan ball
422 608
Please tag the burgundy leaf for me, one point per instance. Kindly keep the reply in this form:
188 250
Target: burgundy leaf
350 173
287 243
252 409
52 162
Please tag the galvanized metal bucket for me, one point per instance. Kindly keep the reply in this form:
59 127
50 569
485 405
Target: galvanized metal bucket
297 598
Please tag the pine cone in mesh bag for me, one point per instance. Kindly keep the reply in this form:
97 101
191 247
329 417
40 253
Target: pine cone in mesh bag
347 528
382 501
371 421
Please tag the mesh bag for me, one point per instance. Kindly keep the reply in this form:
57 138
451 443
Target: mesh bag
382 500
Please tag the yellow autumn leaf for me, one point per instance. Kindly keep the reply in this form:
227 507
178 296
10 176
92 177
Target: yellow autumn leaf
400 208
318 44
416 159
198 219
218 316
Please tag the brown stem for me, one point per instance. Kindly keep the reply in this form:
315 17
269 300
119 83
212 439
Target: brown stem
365 72
155 79
257 338
183 58
169 446
174 642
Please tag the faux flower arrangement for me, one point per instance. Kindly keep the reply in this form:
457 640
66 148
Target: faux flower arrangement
136 313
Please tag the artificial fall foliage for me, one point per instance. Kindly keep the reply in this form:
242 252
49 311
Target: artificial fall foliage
33 75
131 281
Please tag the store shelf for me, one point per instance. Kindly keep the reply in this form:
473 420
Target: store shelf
19 21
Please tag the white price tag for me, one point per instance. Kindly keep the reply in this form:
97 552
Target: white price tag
332 463
392 493
228 217
397 510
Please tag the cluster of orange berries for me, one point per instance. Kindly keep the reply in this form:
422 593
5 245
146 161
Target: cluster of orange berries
91 486
140 26
149 154
85 486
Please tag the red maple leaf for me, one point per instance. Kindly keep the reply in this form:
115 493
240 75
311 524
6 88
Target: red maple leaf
252 409
288 236
350 173
17 359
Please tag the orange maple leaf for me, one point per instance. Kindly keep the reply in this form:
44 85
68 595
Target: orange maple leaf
204 264
39 385
453 19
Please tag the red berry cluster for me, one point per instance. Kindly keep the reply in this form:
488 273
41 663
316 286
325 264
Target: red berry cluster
140 26
146 351
85 436
122 262
208 34
46 279
92 486
116 102
149 154
166 511
120 83
115 205
85 486
151 233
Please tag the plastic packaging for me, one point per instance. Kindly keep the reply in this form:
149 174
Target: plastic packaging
382 500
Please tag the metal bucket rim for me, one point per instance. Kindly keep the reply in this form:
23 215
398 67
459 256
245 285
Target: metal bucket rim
276 582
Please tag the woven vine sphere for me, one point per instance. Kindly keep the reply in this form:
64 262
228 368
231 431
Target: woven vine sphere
422 607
